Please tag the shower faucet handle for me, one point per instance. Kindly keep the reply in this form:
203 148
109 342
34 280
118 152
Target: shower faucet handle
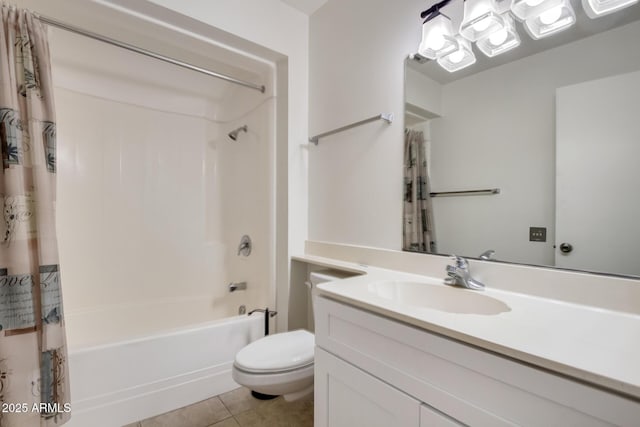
244 248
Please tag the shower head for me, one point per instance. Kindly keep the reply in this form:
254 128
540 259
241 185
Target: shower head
234 133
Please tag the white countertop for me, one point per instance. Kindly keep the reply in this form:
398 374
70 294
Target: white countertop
588 343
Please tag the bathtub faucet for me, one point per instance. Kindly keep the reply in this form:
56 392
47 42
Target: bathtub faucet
241 286
487 255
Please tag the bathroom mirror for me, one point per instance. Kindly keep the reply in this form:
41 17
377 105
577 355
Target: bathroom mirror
553 125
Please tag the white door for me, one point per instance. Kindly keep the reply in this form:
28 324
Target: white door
598 175
346 396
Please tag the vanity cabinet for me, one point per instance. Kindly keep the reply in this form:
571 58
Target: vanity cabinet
351 397
371 370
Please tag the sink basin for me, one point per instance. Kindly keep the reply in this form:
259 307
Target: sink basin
442 298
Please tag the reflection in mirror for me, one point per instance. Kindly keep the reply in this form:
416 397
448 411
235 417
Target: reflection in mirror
555 130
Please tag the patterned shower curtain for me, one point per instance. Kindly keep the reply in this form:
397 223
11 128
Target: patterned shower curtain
418 213
34 381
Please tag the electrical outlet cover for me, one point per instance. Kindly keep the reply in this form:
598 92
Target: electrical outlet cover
537 234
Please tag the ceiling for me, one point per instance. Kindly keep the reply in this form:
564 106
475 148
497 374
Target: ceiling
305 6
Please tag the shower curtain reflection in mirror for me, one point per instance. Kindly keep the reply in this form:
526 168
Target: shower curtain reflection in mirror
418 227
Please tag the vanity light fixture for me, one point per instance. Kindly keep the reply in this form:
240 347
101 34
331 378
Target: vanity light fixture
557 18
450 26
597 8
437 33
481 18
502 40
460 58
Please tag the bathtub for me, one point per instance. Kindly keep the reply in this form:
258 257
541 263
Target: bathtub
148 372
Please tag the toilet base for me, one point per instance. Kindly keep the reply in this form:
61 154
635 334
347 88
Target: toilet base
262 396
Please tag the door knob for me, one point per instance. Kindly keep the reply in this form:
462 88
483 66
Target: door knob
565 248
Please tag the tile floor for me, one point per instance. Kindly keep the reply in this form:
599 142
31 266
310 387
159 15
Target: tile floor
236 408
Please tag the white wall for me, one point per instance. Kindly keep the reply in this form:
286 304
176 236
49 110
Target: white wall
423 93
498 130
356 69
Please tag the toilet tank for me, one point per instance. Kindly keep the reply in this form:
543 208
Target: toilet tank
315 278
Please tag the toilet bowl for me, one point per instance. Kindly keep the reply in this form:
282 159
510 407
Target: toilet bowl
282 363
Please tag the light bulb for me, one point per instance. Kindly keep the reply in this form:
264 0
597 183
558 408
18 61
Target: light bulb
533 3
498 37
482 24
436 40
456 56
550 16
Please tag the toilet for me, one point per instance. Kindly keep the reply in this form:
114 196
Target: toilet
281 364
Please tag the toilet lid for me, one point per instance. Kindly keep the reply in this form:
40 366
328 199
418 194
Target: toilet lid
277 352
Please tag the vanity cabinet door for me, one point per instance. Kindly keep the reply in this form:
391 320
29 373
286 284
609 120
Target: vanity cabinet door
346 396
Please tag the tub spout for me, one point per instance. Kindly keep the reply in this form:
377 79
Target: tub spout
241 286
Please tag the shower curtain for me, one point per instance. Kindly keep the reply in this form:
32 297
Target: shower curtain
34 380
418 212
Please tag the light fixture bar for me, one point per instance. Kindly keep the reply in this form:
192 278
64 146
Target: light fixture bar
490 24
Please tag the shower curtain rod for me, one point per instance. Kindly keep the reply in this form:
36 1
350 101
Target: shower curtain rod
95 36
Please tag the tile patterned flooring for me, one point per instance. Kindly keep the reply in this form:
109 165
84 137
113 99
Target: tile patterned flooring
236 408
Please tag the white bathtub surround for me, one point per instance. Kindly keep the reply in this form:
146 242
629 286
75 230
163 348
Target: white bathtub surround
153 195
123 322
153 200
122 382
584 333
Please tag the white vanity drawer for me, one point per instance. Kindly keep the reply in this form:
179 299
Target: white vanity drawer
473 386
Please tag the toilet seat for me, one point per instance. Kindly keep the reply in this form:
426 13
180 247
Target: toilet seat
291 384
276 353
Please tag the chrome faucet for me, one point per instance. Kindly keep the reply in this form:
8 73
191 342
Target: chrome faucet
487 255
241 286
459 275
244 248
